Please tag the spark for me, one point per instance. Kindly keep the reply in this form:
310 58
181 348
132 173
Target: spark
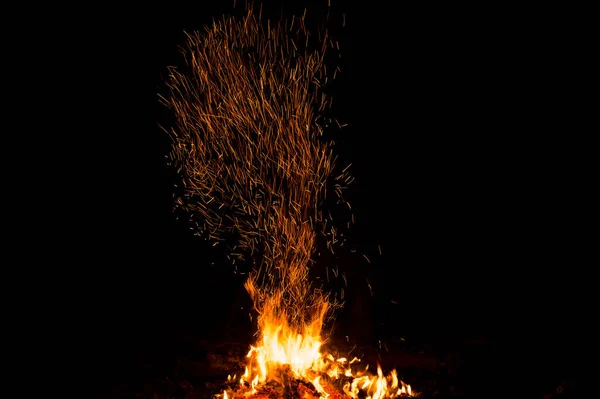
248 148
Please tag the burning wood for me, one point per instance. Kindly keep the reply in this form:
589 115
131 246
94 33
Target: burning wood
285 386
335 379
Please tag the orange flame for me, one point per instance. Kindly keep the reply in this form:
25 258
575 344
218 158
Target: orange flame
281 346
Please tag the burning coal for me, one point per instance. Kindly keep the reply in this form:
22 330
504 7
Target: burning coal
248 145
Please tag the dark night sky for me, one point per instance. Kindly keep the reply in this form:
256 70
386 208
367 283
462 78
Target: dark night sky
464 175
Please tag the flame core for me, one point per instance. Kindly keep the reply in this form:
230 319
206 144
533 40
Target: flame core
281 343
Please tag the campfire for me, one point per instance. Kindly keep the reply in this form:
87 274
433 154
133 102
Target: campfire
247 142
286 363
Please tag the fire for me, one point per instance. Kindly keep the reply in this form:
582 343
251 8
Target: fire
283 350
249 106
280 346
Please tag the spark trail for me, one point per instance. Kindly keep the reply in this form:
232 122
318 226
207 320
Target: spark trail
246 143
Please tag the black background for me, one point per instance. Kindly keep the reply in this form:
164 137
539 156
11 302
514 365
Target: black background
471 174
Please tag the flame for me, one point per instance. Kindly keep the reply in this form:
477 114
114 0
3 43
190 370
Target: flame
283 347
280 341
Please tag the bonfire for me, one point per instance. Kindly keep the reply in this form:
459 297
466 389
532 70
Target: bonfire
247 142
